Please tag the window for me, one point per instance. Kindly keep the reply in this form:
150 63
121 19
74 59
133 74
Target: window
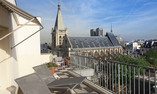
60 36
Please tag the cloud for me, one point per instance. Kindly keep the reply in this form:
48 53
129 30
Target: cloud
134 17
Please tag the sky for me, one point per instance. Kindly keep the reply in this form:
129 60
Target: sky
130 19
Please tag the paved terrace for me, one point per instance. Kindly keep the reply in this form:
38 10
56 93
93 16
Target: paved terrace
87 86
63 73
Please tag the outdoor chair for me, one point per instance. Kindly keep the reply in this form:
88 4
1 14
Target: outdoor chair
45 74
32 84
59 61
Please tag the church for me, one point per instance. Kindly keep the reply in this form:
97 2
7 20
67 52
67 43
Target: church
97 45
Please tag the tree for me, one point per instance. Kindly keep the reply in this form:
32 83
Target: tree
130 60
151 56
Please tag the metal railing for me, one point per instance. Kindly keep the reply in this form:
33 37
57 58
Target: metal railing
121 78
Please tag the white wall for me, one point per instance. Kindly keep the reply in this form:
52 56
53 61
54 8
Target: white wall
46 57
26 51
4 48
18 61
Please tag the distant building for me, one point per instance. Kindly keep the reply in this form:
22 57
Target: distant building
96 32
133 48
147 45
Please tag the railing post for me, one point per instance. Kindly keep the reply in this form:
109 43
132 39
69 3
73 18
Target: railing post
149 81
134 80
143 81
122 79
138 80
130 79
115 79
126 79
118 78
155 82
112 78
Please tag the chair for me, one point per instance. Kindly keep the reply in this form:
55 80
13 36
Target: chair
32 84
59 61
44 73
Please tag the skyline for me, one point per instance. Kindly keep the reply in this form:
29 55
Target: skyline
131 19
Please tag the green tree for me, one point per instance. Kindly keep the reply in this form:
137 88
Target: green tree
130 60
151 56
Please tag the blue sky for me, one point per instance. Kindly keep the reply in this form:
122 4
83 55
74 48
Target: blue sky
131 19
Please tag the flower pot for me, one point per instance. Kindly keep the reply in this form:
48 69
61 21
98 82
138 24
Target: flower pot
67 62
52 69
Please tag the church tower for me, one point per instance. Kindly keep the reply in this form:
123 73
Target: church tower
58 33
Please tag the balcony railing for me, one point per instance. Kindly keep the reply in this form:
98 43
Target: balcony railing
117 77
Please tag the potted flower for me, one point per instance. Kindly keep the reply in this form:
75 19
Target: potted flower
51 66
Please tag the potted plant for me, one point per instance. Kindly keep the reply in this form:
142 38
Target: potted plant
51 66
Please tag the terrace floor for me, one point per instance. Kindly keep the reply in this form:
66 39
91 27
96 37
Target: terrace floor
63 73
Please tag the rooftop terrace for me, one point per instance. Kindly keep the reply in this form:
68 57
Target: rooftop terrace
107 77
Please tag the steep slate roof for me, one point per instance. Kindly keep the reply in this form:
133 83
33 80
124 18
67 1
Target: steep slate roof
94 42
112 38
90 42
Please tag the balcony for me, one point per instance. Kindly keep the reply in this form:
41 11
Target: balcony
107 77
87 87
115 77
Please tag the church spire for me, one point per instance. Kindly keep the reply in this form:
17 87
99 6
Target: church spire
59 5
59 25
111 27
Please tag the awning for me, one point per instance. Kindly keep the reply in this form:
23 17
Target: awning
12 8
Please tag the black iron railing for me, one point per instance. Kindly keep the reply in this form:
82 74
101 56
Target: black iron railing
121 78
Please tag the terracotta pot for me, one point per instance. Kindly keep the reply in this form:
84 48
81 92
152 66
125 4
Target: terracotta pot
52 69
67 62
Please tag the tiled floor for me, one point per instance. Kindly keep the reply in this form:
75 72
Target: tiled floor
62 73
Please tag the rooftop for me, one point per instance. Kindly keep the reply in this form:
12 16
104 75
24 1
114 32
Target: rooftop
94 42
87 87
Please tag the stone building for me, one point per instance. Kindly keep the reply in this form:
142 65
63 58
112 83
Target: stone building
105 47
96 32
97 45
58 34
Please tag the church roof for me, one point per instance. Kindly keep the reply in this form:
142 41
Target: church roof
59 20
112 38
95 42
